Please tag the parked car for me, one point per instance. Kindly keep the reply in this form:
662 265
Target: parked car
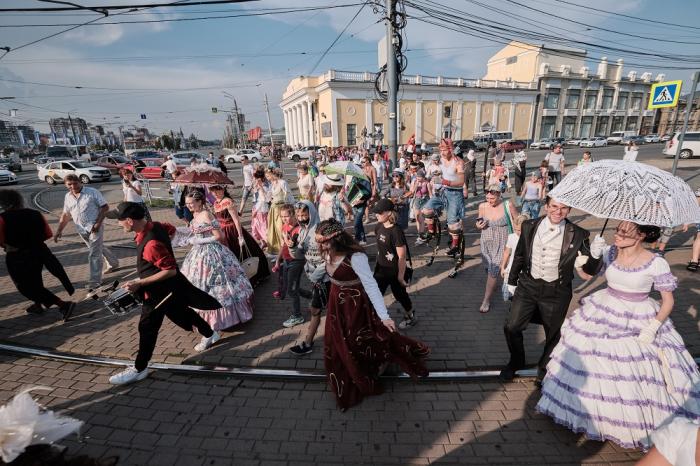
236 155
546 143
515 145
652 138
7 177
639 140
617 137
594 142
115 163
574 142
150 169
12 165
691 145
463 146
666 137
184 158
87 172
44 159
139 154
303 153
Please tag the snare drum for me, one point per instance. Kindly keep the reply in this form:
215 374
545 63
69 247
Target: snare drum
120 301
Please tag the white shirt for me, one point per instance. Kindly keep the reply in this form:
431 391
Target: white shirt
248 175
554 161
170 166
630 155
129 194
449 168
470 155
546 250
85 208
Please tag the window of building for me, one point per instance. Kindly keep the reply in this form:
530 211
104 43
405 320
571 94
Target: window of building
573 98
447 133
567 129
622 100
548 124
601 127
351 132
617 123
586 125
551 99
608 95
636 102
511 60
591 98
447 111
632 124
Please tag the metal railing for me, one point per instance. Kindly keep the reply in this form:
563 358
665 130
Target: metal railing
363 76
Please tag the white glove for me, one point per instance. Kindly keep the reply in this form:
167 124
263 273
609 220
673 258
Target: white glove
580 260
648 333
207 239
597 247
241 240
511 289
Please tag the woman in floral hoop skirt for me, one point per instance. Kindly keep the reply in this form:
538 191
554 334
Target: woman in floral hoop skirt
620 369
360 337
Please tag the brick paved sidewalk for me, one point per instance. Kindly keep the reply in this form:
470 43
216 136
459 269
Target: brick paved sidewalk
171 419
449 321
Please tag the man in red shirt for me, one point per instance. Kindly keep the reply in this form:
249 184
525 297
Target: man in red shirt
161 286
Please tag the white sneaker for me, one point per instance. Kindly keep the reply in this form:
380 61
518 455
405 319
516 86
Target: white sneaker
207 342
109 269
129 375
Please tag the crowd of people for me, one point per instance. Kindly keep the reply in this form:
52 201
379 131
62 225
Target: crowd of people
614 369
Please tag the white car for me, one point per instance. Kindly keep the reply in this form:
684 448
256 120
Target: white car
237 155
7 177
691 145
594 142
652 138
303 153
574 141
545 143
55 171
184 159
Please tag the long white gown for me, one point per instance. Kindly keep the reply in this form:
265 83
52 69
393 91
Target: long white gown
605 383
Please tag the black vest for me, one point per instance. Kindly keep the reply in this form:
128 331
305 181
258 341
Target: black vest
24 228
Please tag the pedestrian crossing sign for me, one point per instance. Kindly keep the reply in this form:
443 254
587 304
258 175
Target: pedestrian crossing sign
664 94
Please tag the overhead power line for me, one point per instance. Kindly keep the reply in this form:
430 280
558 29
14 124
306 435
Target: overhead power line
320 59
124 7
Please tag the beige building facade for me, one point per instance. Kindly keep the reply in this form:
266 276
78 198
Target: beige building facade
334 108
575 101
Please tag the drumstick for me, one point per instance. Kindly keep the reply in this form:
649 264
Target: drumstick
164 300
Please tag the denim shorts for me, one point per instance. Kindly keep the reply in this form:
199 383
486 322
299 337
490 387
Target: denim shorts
455 205
435 204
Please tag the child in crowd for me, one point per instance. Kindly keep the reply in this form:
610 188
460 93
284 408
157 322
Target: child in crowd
289 268
261 206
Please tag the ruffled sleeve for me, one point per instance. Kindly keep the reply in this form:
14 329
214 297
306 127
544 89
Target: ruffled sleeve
664 280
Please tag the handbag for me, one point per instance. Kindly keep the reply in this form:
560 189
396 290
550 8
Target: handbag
250 264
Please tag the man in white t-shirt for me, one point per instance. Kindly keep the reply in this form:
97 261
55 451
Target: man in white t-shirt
248 171
170 167
556 164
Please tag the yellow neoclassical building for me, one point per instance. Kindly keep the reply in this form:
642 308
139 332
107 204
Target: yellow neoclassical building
334 108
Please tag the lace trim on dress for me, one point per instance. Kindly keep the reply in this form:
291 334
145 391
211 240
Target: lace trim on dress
200 228
612 255
665 282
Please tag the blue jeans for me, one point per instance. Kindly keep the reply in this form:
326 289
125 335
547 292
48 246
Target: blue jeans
359 213
531 208
455 205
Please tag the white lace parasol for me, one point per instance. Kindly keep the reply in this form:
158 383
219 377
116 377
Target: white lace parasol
633 191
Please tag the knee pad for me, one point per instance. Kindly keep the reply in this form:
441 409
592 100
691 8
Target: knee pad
457 236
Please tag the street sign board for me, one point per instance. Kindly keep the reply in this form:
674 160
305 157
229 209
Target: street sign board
664 94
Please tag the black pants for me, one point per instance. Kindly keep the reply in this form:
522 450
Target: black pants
470 175
556 178
551 301
519 177
152 319
388 278
25 268
55 268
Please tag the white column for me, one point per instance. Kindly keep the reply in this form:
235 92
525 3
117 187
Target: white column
494 123
292 134
305 124
438 120
368 116
457 132
309 119
477 117
287 129
511 122
295 124
300 129
419 122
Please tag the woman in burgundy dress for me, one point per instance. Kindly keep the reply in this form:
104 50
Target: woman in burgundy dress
227 215
360 337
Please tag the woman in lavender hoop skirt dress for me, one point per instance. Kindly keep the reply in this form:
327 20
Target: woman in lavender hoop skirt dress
621 369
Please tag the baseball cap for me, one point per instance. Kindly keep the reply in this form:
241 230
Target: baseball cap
383 205
126 210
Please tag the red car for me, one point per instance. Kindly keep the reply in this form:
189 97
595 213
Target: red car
512 146
114 163
150 169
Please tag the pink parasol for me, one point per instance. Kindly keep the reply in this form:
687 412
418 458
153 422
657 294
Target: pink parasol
203 174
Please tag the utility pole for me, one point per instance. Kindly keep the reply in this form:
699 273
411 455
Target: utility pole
688 109
392 79
269 126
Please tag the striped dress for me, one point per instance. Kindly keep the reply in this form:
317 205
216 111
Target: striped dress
604 382
493 241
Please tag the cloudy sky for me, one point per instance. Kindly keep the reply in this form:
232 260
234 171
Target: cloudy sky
173 66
